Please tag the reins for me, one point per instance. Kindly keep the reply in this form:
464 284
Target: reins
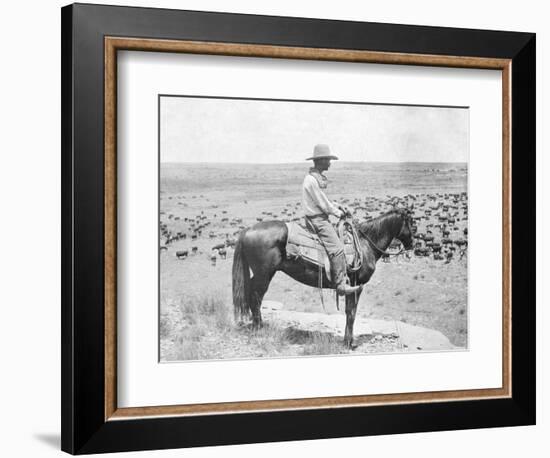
358 258
386 253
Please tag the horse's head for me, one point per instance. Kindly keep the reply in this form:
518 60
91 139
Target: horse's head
405 235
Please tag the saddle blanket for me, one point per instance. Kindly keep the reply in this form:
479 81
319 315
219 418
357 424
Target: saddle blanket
301 243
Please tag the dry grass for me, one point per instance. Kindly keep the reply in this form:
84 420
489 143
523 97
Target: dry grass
210 308
203 328
323 344
201 316
164 325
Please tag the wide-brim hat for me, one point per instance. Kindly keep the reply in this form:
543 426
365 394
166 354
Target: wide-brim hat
321 151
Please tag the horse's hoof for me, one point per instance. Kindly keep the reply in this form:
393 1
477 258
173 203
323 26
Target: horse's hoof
350 345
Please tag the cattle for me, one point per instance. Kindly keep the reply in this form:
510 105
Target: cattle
442 213
421 252
231 242
182 254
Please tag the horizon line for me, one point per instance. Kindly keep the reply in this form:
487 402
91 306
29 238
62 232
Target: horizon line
307 162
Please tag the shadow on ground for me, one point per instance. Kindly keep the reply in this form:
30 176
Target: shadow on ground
51 439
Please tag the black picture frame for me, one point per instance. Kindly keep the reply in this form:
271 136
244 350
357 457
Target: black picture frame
84 428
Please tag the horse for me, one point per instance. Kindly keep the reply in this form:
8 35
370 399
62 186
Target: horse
262 250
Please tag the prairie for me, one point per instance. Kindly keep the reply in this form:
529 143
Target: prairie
205 205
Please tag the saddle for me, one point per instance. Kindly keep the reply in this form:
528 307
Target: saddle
303 243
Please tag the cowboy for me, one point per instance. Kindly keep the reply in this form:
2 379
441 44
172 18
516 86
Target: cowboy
317 208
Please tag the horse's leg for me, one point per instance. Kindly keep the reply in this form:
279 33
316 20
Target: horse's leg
259 285
265 243
351 307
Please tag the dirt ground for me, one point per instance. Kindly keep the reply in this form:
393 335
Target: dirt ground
196 317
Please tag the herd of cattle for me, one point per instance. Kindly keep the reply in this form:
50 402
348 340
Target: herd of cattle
440 225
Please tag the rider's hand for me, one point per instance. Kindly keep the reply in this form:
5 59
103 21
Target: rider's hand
339 213
344 211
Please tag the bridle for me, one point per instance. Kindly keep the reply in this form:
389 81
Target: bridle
386 253
380 250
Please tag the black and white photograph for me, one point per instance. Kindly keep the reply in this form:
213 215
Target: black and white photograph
306 228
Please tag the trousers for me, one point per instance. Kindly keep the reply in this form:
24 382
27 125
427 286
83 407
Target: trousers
334 246
326 232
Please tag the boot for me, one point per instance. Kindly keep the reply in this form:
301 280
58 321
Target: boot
339 276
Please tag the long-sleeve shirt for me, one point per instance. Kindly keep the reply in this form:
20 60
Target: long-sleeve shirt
314 200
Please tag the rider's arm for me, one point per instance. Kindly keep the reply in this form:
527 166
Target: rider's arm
317 195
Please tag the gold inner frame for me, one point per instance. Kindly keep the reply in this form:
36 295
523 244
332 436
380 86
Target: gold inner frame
112 45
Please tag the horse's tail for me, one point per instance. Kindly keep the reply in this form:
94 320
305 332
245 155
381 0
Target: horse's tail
241 281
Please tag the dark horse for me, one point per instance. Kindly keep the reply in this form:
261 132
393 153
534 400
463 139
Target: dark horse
261 249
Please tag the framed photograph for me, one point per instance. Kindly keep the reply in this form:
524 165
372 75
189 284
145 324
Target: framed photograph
270 222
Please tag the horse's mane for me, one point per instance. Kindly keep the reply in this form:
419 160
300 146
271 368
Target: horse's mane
374 227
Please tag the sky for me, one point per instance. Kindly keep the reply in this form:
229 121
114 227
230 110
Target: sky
264 131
